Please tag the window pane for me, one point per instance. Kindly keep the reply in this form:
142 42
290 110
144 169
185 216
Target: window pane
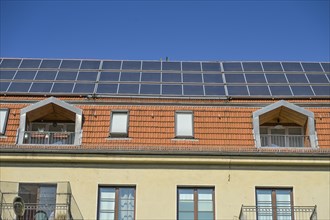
119 122
107 216
205 206
186 194
3 120
186 216
205 215
184 124
186 205
107 193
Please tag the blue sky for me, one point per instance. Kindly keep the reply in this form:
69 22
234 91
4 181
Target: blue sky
295 30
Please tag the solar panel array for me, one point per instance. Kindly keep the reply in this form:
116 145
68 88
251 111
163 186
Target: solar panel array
59 77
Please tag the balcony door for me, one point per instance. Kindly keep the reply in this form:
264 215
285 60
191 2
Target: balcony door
274 204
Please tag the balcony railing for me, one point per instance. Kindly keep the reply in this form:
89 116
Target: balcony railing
278 213
56 138
271 140
64 208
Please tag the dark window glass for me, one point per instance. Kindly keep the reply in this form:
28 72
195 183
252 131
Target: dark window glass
46 75
171 66
171 89
191 66
4 86
296 78
259 90
109 76
192 77
10 63
312 67
252 66
111 65
84 88
212 78
50 63
66 75
7 74
151 65
107 88
326 67
41 87
193 90
232 66
280 90
272 66
131 65
237 90
150 77
90 64
171 77
150 89
276 78
255 78
30 64
130 76
88 76
129 88
62 87
235 78
302 91
214 90
70 64
19 87
317 78
292 67
211 66
321 90
25 75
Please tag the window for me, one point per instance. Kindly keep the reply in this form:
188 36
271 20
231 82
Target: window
116 203
184 125
195 204
274 204
3 120
119 124
280 136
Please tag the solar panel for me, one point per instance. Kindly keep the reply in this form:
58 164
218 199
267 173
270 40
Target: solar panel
109 76
41 87
326 67
291 66
171 89
272 66
317 78
276 78
150 77
280 90
107 88
111 65
130 76
296 78
150 89
215 90
151 65
208 66
237 91
191 66
212 78
193 90
192 77
252 66
46 75
232 66
63 75
4 86
7 74
321 90
26 75
235 78
70 64
19 87
129 88
171 66
90 64
10 63
259 90
87 76
171 77
50 64
312 67
302 91
30 64
131 65
87 88
62 87
255 78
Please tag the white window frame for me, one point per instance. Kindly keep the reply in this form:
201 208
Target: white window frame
115 133
286 133
4 122
177 133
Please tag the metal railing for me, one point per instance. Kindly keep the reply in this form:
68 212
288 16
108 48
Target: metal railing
45 137
271 140
278 213
63 207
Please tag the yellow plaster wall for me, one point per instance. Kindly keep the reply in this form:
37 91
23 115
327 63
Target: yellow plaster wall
156 185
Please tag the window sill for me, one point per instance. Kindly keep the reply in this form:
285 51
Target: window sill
118 138
3 136
184 139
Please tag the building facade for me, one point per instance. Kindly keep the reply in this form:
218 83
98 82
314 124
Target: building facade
105 139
